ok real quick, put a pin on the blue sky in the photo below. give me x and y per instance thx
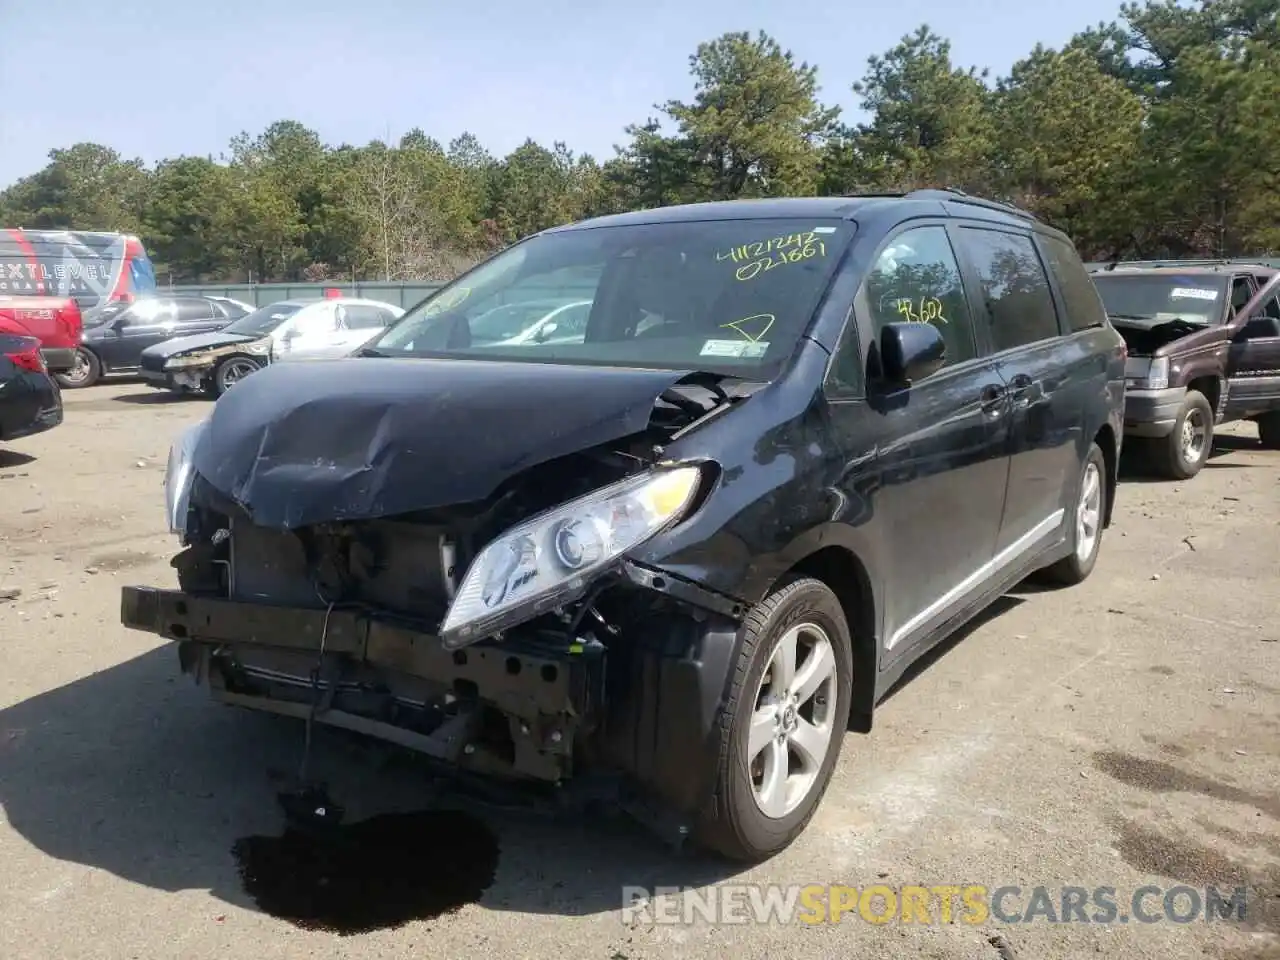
(155, 79)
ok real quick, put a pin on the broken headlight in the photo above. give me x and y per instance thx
(548, 560)
(1157, 377)
(177, 476)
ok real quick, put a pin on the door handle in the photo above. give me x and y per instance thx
(993, 398)
(1024, 390)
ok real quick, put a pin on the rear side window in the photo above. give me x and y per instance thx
(364, 316)
(1014, 287)
(1079, 295)
(190, 311)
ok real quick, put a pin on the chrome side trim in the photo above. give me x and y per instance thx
(1005, 558)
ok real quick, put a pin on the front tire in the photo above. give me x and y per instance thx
(780, 733)
(231, 371)
(86, 372)
(1086, 524)
(1182, 454)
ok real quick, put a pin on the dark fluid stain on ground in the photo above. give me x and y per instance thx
(1163, 670)
(372, 874)
(1158, 777)
(1192, 863)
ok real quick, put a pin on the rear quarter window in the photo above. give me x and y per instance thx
(1079, 295)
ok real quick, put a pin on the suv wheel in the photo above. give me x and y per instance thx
(85, 371)
(1269, 430)
(1085, 532)
(1181, 455)
(780, 733)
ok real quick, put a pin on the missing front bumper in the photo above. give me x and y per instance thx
(513, 708)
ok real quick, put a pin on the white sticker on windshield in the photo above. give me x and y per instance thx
(824, 229)
(1193, 293)
(746, 349)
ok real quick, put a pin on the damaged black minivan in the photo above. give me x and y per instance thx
(675, 549)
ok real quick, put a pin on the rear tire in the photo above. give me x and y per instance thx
(1086, 519)
(777, 718)
(1269, 430)
(1182, 454)
(86, 372)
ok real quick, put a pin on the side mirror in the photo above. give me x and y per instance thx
(911, 351)
(546, 332)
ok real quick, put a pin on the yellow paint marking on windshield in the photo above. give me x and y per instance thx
(746, 324)
(762, 248)
(779, 258)
(930, 309)
(447, 301)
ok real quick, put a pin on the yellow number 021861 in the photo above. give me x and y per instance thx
(749, 271)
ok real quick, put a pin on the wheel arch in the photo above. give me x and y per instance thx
(1211, 386)
(1107, 442)
(844, 573)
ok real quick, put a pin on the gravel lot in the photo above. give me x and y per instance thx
(1122, 733)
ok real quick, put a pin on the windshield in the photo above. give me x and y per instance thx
(263, 320)
(727, 295)
(1193, 298)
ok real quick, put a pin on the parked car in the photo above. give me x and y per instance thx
(115, 344)
(307, 329)
(1204, 350)
(54, 321)
(801, 441)
(29, 399)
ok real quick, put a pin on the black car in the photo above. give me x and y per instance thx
(29, 399)
(115, 341)
(800, 442)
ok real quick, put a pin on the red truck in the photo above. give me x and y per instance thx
(54, 321)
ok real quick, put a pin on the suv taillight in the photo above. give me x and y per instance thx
(70, 321)
(29, 359)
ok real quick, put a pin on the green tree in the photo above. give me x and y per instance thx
(755, 125)
(84, 187)
(1069, 145)
(931, 124)
(188, 228)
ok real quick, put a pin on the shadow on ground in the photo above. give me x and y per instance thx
(997, 609)
(1135, 466)
(133, 771)
(13, 458)
(158, 398)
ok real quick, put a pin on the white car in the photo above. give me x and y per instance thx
(291, 330)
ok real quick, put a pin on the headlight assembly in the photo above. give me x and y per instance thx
(177, 476)
(192, 360)
(548, 560)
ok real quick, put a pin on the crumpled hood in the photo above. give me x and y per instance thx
(304, 443)
(169, 349)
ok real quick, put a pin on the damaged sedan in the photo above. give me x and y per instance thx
(670, 560)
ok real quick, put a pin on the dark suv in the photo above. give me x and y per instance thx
(795, 444)
(1204, 349)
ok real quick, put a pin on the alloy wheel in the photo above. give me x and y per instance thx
(791, 728)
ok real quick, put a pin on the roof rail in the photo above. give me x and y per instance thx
(1269, 262)
(953, 195)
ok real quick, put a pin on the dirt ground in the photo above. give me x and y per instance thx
(1123, 733)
